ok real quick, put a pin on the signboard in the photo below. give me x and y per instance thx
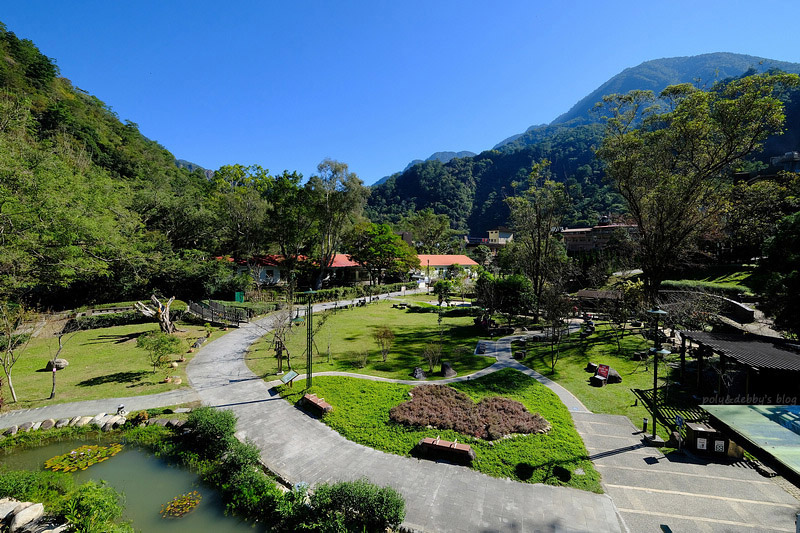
(719, 446)
(289, 376)
(602, 371)
(701, 443)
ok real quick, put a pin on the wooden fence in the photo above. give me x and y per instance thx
(216, 312)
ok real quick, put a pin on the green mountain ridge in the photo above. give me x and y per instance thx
(471, 190)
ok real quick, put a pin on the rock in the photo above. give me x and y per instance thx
(177, 381)
(74, 421)
(36, 426)
(99, 420)
(62, 422)
(447, 370)
(10, 432)
(108, 425)
(591, 367)
(26, 515)
(613, 376)
(121, 422)
(418, 373)
(84, 421)
(182, 410)
(47, 424)
(199, 342)
(7, 506)
(180, 423)
(162, 422)
(24, 428)
(60, 364)
(172, 423)
(173, 364)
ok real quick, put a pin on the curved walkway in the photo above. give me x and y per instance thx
(439, 497)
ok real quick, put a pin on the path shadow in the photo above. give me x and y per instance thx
(117, 377)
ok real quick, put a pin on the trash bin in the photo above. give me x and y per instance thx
(704, 439)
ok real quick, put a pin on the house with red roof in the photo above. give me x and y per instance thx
(435, 266)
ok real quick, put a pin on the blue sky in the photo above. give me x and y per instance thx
(374, 84)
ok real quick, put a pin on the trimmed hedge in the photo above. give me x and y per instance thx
(115, 319)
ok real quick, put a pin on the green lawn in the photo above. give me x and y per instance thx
(600, 348)
(349, 333)
(103, 363)
(361, 414)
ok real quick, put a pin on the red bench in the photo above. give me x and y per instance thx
(446, 449)
(319, 404)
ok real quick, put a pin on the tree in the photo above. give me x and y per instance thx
(159, 347)
(535, 213)
(670, 158)
(482, 255)
(337, 197)
(67, 332)
(161, 311)
(378, 249)
(555, 306)
(384, 336)
(432, 354)
(291, 223)
(779, 274)
(430, 233)
(13, 341)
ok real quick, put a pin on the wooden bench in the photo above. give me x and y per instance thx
(446, 449)
(318, 404)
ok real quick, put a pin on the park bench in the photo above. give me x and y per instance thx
(445, 449)
(318, 404)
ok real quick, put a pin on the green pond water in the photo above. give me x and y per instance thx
(147, 483)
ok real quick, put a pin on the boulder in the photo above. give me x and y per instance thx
(11, 431)
(25, 427)
(75, 420)
(591, 367)
(418, 373)
(25, 516)
(199, 342)
(84, 420)
(447, 370)
(172, 423)
(613, 376)
(60, 364)
(7, 506)
(47, 424)
(99, 420)
(62, 422)
(108, 425)
(183, 410)
(36, 426)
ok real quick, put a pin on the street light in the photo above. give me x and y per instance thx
(656, 350)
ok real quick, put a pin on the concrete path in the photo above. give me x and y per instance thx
(93, 407)
(439, 497)
(679, 492)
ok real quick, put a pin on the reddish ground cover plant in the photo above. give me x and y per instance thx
(446, 408)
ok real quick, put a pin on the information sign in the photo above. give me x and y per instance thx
(289, 376)
(602, 371)
(701, 443)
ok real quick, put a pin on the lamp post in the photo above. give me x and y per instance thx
(656, 350)
(309, 336)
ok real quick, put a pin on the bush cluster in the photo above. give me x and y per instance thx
(234, 467)
(114, 319)
(729, 290)
(446, 408)
(358, 291)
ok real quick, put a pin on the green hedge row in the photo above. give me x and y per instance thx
(358, 291)
(115, 319)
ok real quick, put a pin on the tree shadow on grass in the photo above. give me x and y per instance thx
(116, 339)
(134, 378)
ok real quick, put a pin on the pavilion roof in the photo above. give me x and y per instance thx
(756, 351)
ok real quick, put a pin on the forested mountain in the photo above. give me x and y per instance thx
(471, 190)
(442, 157)
(87, 203)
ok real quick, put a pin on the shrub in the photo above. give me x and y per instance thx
(211, 431)
(356, 505)
(251, 494)
(45, 487)
(93, 507)
(240, 457)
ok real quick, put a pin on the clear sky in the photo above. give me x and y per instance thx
(374, 83)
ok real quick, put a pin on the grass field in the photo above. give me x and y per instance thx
(103, 363)
(361, 414)
(349, 333)
(600, 348)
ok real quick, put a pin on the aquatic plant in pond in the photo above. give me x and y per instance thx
(181, 505)
(83, 457)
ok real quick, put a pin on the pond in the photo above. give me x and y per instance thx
(147, 483)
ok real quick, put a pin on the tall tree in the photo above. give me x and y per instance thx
(338, 195)
(378, 249)
(780, 274)
(430, 233)
(670, 158)
(535, 213)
